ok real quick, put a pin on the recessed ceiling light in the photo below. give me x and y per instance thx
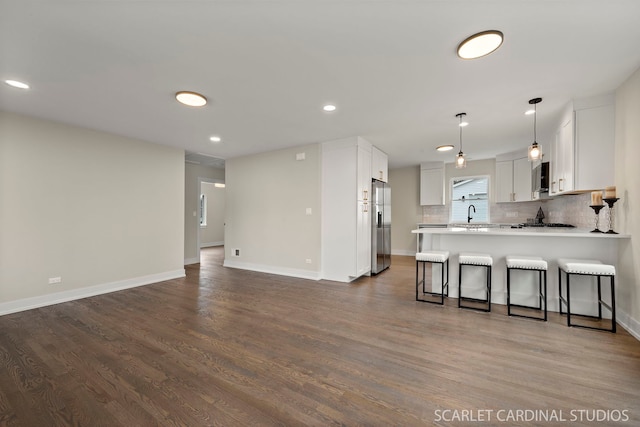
(480, 44)
(219, 184)
(192, 99)
(215, 139)
(530, 112)
(445, 148)
(463, 124)
(16, 83)
(329, 108)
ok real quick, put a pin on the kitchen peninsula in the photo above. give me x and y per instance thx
(500, 241)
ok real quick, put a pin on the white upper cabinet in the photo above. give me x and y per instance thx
(432, 183)
(379, 165)
(594, 147)
(513, 177)
(562, 160)
(583, 153)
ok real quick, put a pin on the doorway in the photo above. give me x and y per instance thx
(211, 211)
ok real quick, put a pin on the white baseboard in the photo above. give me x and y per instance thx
(282, 271)
(210, 244)
(403, 252)
(75, 294)
(630, 324)
(189, 261)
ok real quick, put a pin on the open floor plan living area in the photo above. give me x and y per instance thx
(231, 347)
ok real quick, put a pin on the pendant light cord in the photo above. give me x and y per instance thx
(460, 133)
(460, 115)
(535, 121)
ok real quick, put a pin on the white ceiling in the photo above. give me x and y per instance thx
(268, 66)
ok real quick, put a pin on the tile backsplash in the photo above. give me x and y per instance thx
(567, 209)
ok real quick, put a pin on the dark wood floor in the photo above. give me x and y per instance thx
(230, 347)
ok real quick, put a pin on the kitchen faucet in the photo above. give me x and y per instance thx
(469, 213)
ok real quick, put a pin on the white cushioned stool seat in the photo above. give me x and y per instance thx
(432, 256)
(526, 262)
(586, 266)
(475, 258)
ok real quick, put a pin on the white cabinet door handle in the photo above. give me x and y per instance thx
(365, 207)
(365, 194)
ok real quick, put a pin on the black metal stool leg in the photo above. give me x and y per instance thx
(459, 285)
(508, 291)
(613, 305)
(568, 299)
(489, 286)
(545, 295)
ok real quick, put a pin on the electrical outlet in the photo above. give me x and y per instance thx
(236, 252)
(308, 211)
(54, 280)
(308, 260)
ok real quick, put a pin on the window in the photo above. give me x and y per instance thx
(203, 210)
(467, 192)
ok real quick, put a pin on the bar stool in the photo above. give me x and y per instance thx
(476, 260)
(588, 268)
(516, 262)
(433, 257)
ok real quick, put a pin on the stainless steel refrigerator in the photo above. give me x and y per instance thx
(380, 226)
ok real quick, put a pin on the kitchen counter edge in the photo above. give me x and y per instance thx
(535, 232)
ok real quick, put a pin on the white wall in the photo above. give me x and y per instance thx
(266, 200)
(627, 153)
(406, 211)
(213, 233)
(193, 173)
(100, 211)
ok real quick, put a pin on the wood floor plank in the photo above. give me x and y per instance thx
(230, 347)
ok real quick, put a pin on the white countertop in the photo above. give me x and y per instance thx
(525, 231)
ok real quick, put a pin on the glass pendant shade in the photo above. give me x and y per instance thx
(535, 152)
(461, 161)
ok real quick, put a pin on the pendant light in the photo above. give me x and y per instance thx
(461, 161)
(535, 152)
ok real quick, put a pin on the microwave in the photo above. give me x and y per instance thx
(540, 178)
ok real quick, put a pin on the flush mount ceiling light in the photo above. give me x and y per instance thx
(329, 108)
(461, 161)
(215, 138)
(192, 99)
(17, 84)
(535, 152)
(480, 44)
(447, 147)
